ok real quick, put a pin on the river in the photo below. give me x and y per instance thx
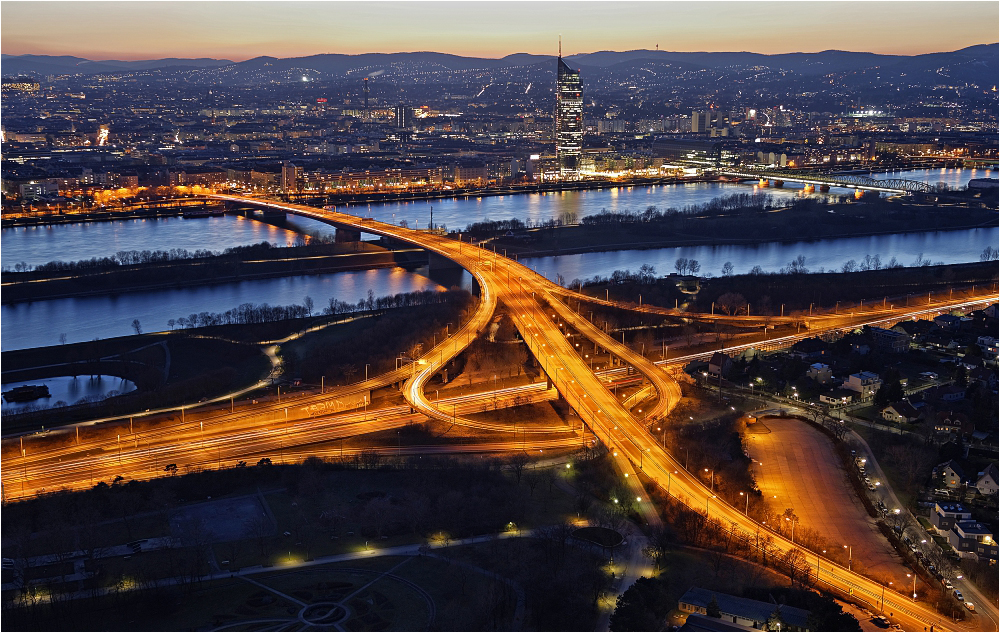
(65, 390)
(68, 242)
(41, 322)
(949, 247)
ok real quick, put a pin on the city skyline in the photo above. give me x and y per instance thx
(104, 30)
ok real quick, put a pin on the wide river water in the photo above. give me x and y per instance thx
(41, 322)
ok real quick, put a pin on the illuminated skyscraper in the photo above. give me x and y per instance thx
(569, 120)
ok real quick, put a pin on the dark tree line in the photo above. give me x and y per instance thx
(316, 244)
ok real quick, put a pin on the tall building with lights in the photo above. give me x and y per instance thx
(569, 120)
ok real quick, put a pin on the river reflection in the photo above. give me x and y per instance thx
(40, 323)
(941, 246)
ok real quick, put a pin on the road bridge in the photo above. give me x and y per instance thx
(847, 181)
(540, 316)
(635, 449)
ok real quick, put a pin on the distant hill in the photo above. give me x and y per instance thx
(65, 64)
(974, 64)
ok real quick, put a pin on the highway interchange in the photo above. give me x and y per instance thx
(537, 308)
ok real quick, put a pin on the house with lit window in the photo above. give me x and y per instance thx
(864, 383)
(951, 474)
(972, 539)
(900, 412)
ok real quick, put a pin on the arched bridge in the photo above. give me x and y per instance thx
(848, 181)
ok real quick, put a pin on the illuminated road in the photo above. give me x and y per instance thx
(521, 289)
(542, 327)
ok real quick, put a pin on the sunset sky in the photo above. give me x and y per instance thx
(241, 30)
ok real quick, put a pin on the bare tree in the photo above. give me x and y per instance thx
(517, 464)
(731, 303)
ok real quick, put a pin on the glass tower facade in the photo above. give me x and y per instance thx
(569, 121)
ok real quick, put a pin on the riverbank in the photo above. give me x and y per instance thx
(803, 221)
(41, 218)
(786, 293)
(83, 281)
(168, 368)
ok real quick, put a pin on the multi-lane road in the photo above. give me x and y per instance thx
(544, 321)
(523, 292)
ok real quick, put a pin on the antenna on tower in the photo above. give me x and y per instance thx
(560, 47)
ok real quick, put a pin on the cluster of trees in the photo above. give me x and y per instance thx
(262, 250)
(243, 314)
(137, 257)
(259, 313)
(494, 227)
(399, 300)
(733, 204)
(645, 275)
(685, 266)
(874, 262)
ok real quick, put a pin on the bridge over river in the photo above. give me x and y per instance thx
(825, 180)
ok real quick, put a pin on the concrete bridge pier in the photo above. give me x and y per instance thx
(346, 235)
(437, 262)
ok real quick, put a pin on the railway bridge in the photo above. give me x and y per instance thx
(815, 179)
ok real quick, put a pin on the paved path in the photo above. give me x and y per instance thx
(798, 465)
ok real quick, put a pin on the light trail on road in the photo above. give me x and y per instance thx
(521, 290)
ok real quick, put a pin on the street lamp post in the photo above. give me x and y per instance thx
(850, 555)
(713, 478)
(746, 509)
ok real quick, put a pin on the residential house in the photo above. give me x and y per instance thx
(914, 328)
(947, 515)
(699, 622)
(972, 537)
(744, 611)
(944, 394)
(948, 322)
(900, 412)
(940, 340)
(719, 364)
(820, 372)
(991, 311)
(951, 474)
(865, 383)
(888, 341)
(988, 345)
(985, 377)
(810, 348)
(952, 422)
(838, 397)
(987, 482)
